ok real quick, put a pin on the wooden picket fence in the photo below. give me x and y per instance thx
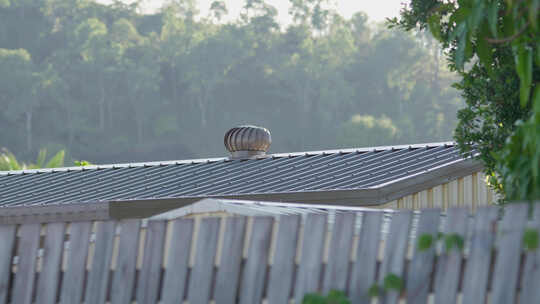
(276, 260)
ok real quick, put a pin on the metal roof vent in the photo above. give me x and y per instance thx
(247, 141)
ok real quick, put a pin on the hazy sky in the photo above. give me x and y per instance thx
(377, 10)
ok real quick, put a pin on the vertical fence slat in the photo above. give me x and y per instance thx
(150, 274)
(231, 259)
(531, 274)
(395, 252)
(281, 273)
(26, 267)
(7, 235)
(72, 283)
(419, 274)
(254, 272)
(335, 276)
(47, 289)
(205, 254)
(449, 262)
(124, 273)
(509, 251)
(178, 260)
(475, 280)
(365, 266)
(307, 279)
(98, 278)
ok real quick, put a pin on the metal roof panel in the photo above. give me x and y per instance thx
(350, 169)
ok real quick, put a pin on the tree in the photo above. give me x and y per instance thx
(19, 88)
(366, 130)
(494, 45)
(108, 83)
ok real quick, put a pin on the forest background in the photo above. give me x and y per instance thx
(109, 84)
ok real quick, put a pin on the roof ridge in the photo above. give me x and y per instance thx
(216, 159)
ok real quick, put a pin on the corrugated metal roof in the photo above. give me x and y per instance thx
(259, 208)
(333, 170)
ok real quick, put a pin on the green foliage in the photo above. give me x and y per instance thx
(498, 87)
(424, 242)
(374, 291)
(111, 84)
(519, 161)
(393, 282)
(366, 130)
(333, 297)
(453, 241)
(8, 161)
(81, 163)
(530, 239)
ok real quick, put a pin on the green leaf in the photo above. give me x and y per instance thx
(453, 240)
(425, 241)
(533, 13)
(460, 51)
(508, 25)
(457, 32)
(536, 99)
(476, 16)
(392, 282)
(337, 297)
(313, 298)
(493, 15)
(57, 160)
(434, 24)
(530, 239)
(524, 68)
(81, 163)
(537, 57)
(374, 291)
(42, 155)
(484, 52)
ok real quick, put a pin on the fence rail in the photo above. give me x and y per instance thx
(248, 259)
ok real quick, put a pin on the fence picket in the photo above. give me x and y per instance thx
(336, 271)
(72, 283)
(531, 272)
(365, 266)
(395, 252)
(252, 284)
(174, 281)
(7, 235)
(205, 254)
(475, 280)
(281, 273)
(98, 278)
(150, 274)
(231, 259)
(246, 284)
(26, 267)
(449, 262)
(47, 288)
(307, 279)
(419, 273)
(509, 250)
(124, 273)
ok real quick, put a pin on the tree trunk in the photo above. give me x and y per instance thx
(102, 107)
(202, 102)
(28, 116)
